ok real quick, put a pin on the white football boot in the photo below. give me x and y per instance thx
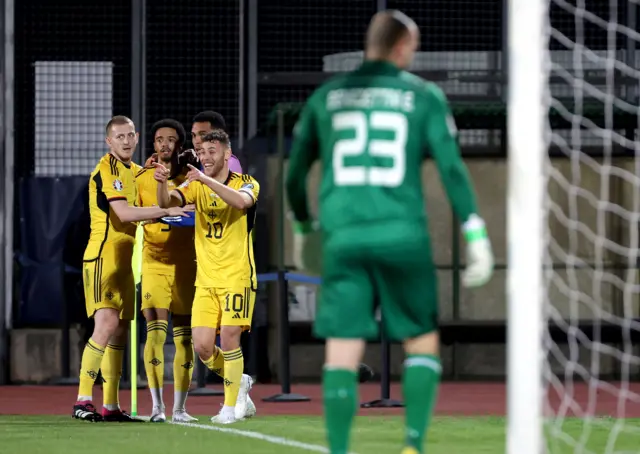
(157, 415)
(226, 416)
(251, 408)
(182, 416)
(245, 408)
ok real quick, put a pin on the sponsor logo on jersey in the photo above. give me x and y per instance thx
(247, 186)
(118, 186)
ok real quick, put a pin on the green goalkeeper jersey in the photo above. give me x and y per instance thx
(371, 129)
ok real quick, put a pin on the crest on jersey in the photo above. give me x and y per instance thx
(213, 195)
(247, 186)
(117, 185)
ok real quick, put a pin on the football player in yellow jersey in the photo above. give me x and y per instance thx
(107, 275)
(225, 204)
(168, 277)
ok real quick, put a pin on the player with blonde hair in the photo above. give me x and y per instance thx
(109, 287)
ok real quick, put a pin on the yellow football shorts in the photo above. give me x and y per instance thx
(166, 292)
(216, 307)
(108, 286)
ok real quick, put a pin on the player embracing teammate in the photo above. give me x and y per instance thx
(107, 275)
(203, 124)
(226, 281)
(122, 193)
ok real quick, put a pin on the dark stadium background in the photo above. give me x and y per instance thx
(192, 59)
(192, 62)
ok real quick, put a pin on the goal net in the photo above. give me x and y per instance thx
(574, 212)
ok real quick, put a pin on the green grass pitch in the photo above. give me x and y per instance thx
(278, 434)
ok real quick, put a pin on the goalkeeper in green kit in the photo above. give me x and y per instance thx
(371, 129)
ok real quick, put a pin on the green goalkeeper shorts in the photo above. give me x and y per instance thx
(361, 273)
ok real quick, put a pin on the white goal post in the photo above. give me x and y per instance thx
(526, 118)
(573, 284)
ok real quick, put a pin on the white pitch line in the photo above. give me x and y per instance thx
(259, 436)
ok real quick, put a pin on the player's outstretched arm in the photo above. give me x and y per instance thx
(112, 187)
(128, 213)
(168, 199)
(442, 139)
(238, 199)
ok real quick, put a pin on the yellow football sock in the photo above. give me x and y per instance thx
(111, 372)
(154, 353)
(183, 360)
(89, 367)
(233, 368)
(216, 362)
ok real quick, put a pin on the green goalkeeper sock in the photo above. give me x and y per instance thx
(340, 391)
(419, 386)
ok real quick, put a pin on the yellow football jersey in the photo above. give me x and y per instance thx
(111, 180)
(224, 250)
(164, 246)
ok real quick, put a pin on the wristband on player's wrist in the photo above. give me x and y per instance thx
(301, 227)
(304, 227)
(474, 229)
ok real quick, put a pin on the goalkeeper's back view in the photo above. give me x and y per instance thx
(371, 130)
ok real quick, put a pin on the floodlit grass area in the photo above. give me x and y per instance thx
(290, 434)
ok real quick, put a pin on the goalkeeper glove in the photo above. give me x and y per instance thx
(307, 247)
(479, 255)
